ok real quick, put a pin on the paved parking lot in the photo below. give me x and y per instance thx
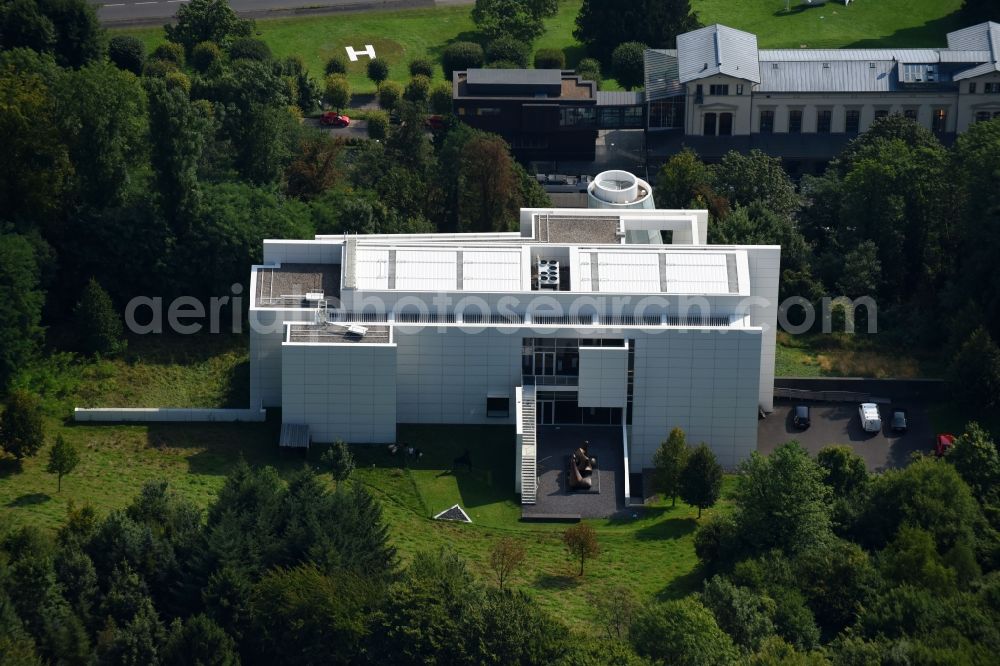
(838, 423)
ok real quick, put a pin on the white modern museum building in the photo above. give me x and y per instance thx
(618, 315)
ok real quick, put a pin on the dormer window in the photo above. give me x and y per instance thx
(871, 65)
(774, 65)
(826, 65)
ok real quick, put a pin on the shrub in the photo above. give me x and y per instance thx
(422, 66)
(507, 48)
(336, 65)
(127, 52)
(21, 431)
(169, 52)
(628, 63)
(378, 125)
(441, 98)
(158, 68)
(378, 71)
(550, 59)
(975, 370)
(503, 64)
(248, 48)
(338, 91)
(418, 89)
(590, 70)
(204, 55)
(389, 95)
(461, 55)
(178, 79)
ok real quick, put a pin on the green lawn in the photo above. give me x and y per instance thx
(652, 554)
(844, 355)
(402, 35)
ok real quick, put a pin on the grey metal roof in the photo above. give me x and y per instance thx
(618, 98)
(550, 77)
(982, 37)
(661, 77)
(985, 68)
(717, 49)
(831, 76)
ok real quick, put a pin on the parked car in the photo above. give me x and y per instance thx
(801, 417)
(942, 442)
(435, 122)
(334, 119)
(870, 419)
(898, 422)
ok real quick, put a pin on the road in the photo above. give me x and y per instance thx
(154, 12)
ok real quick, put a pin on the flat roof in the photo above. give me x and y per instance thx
(337, 333)
(669, 272)
(287, 285)
(515, 77)
(588, 229)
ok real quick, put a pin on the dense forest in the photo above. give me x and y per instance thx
(819, 563)
(159, 174)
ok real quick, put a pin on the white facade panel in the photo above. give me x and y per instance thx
(341, 391)
(603, 380)
(371, 269)
(426, 270)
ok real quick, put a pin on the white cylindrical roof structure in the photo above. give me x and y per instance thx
(619, 189)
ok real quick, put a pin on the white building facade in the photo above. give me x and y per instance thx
(718, 83)
(622, 318)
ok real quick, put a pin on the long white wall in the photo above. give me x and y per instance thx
(343, 391)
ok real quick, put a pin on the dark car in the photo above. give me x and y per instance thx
(801, 417)
(899, 420)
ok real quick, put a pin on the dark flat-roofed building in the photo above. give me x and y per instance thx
(542, 113)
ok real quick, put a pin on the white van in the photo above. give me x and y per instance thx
(870, 419)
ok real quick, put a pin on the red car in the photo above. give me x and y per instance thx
(434, 122)
(942, 443)
(334, 119)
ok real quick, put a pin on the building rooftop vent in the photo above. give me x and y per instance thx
(619, 188)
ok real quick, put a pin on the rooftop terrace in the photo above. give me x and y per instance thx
(335, 333)
(287, 285)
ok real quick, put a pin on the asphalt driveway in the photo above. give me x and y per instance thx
(838, 423)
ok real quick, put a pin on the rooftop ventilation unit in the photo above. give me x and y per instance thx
(548, 274)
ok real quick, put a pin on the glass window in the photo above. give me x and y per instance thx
(577, 116)
(667, 113)
(991, 88)
(881, 113)
(996, 114)
(823, 121)
(632, 116)
(698, 90)
(739, 88)
(852, 121)
(766, 121)
(982, 115)
(498, 406)
(972, 88)
(910, 113)
(794, 121)
(718, 89)
(940, 120)
(488, 111)
(611, 117)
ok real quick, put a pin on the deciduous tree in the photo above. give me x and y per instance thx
(975, 370)
(207, 21)
(628, 64)
(581, 542)
(338, 91)
(601, 26)
(127, 52)
(460, 56)
(63, 459)
(701, 479)
(519, 19)
(21, 302)
(681, 633)
(506, 556)
(338, 460)
(378, 71)
(668, 465)
(22, 432)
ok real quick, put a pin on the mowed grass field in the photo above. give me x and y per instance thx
(400, 36)
(651, 553)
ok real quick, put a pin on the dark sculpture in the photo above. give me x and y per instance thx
(581, 469)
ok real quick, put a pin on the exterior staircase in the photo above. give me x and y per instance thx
(529, 469)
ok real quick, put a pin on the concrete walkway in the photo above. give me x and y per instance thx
(555, 444)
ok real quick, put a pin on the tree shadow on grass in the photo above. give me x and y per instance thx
(929, 34)
(681, 586)
(671, 528)
(30, 499)
(565, 581)
(9, 467)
